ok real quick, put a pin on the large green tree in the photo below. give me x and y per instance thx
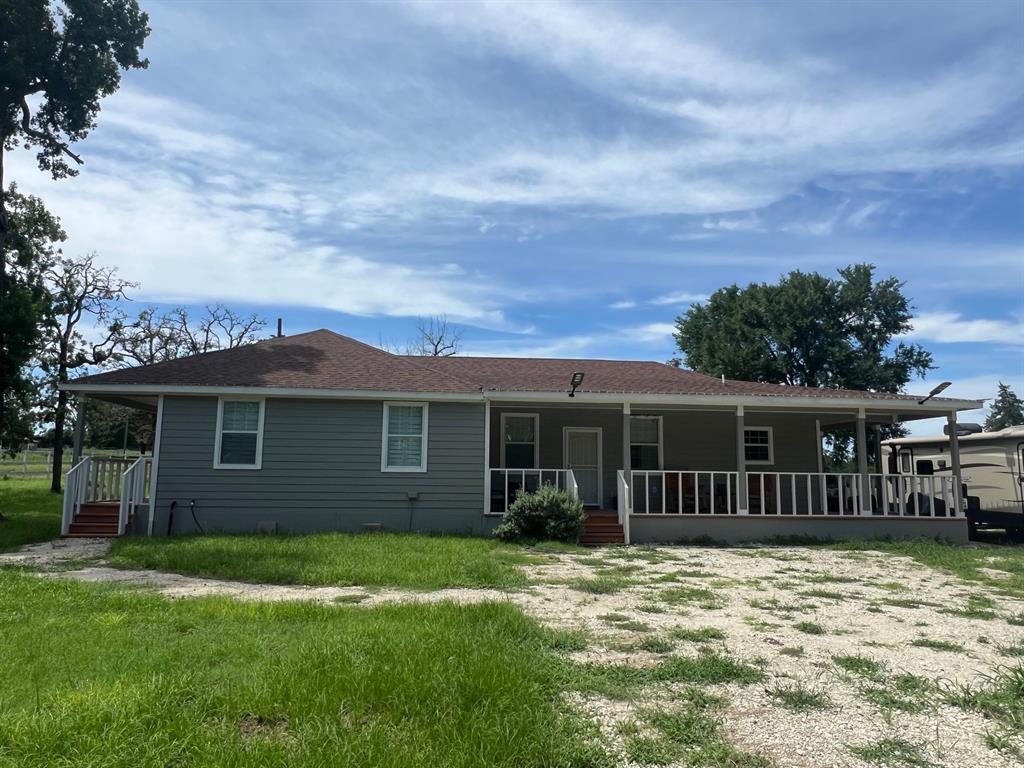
(33, 240)
(1007, 410)
(58, 59)
(810, 330)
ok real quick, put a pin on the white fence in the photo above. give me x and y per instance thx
(507, 483)
(783, 493)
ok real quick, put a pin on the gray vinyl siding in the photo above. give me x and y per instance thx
(321, 470)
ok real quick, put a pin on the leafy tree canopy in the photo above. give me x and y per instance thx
(1007, 410)
(807, 329)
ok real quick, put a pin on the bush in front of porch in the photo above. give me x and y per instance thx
(547, 513)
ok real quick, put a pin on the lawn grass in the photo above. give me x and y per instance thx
(374, 559)
(962, 561)
(99, 676)
(32, 512)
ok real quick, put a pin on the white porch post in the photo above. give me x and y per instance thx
(742, 502)
(155, 465)
(76, 440)
(627, 437)
(954, 457)
(487, 456)
(862, 462)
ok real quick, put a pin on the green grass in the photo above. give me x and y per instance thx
(32, 512)
(799, 698)
(703, 598)
(1000, 697)
(336, 559)
(97, 676)
(619, 681)
(964, 562)
(937, 645)
(602, 584)
(809, 628)
(696, 634)
(692, 734)
(891, 753)
(861, 666)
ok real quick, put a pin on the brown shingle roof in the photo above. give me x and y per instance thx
(525, 374)
(315, 360)
(326, 360)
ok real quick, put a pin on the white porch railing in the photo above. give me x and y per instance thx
(506, 483)
(94, 478)
(135, 486)
(625, 498)
(782, 493)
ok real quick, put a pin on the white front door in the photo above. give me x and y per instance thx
(582, 452)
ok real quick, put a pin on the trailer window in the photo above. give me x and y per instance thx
(906, 467)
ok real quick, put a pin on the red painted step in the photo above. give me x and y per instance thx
(96, 519)
(601, 528)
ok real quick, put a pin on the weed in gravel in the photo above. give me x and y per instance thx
(796, 697)
(830, 578)
(861, 666)
(601, 585)
(891, 753)
(1000, 697)
(694, 733)
(759, 625)
(827, 594)
(651, 608)
(903, 693)
(619, 681)
(937, 645)
(777, 607)
(351, 598)
(809, 628)
(622, 621)
(1012, 650)
(1016, 620)
(697, 635)
(795, 651)
(976, 607)
(1003, 742)
(699, 596)
(655, 645)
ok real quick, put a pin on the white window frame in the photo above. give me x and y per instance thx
(771, 445)
(661, 439)
(536, 435)
(423, 437)
(220, 431)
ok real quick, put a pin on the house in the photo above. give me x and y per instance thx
(320, 432)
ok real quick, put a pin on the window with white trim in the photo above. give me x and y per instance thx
(519, 440)
(645, 442)
(757, 445)
(239, 433)
(404, 446)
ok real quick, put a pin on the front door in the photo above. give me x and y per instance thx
(583, 457)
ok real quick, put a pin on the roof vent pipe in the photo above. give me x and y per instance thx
(280, 327)
(723, 378)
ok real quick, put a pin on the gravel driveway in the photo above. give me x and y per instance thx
(862, 651)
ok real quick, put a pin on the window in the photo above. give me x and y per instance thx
(645, 442)
(239, 434)
(757, 445)
(404, 446)
(906, 463)
(519, 444)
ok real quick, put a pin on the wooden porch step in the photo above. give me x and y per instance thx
(92, 529)
(601, 527)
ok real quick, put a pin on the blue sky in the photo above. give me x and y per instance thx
(563, 179)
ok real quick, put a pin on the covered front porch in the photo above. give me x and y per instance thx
(677, 472)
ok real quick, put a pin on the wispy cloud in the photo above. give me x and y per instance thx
(679, 297)
(622, 305)
(952, 327)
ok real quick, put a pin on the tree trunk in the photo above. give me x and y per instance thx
(3, 275)
(59, 417)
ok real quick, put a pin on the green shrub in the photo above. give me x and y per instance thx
(547, 513)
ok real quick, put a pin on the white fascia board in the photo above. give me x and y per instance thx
(841, 404)
(295, 392)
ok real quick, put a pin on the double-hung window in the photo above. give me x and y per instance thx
(757, 445)
(405, 438)
(519, 433)
(239, 433)
(645, 442)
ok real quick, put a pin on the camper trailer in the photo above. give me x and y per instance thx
(991, 465)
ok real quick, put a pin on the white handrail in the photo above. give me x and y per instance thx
(74, 491)
(625, 501)
(506, 483)
(134, 484)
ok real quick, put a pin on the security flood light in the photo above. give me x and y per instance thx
(937, 389)
(574, 382)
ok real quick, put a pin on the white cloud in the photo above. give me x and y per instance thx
(651, 333)
(950, 327)
(622, 305)
(679, 297)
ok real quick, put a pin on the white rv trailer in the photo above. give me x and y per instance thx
(991, 465)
